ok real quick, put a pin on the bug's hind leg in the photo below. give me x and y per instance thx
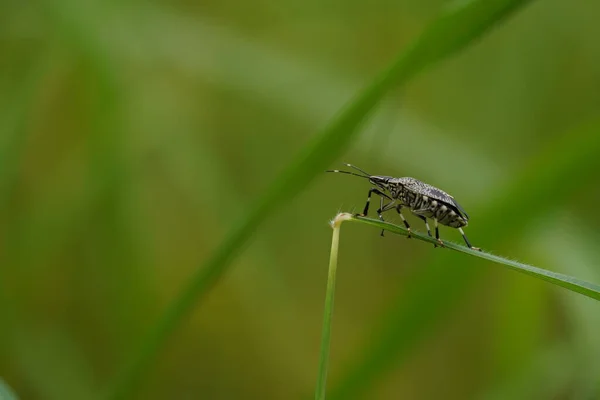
(467, 240)
(427, 226)
(437, 233)
(399, 209)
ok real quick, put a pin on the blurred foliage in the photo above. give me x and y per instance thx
(6, 393)
(133, 135)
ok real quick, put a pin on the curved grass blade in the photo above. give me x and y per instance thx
(451, 32)
(568, 282)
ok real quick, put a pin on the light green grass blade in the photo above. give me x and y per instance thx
(6, 393)
(568, 282)
(451, 32)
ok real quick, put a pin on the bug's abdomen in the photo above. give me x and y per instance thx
(446, 214)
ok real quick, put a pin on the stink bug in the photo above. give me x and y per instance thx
(423, 200)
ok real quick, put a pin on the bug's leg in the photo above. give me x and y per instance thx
(381, 216)
(399, 208)
(376, 191)
(385, 208)
(427, 226)
(437, 233)
(467, 240)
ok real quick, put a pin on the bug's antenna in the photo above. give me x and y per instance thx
(358, 169)
(346, 172)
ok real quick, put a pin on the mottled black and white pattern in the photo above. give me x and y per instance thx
(423, 200)
(428, 201)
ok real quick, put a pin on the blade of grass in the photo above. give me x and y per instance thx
(327, 317)
(562, 164)
(316, 96)
(568, 282)
(445, 36)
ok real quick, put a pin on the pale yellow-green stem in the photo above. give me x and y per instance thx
(327, 317)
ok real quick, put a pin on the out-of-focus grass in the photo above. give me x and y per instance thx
(582, 316)
(6, 392)
(450, 33)
(37, 351)
(15, 111)
(108, 173)
(209, 101)
(555, 366)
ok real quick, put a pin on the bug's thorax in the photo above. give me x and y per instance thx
(396, 189)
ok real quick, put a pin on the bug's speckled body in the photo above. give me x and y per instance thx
(428, 201)
(423, 200)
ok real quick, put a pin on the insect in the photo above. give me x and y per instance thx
(423, 200)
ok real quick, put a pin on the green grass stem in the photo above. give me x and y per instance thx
(328, 313)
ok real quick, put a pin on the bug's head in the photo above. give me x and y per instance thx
(379, 181)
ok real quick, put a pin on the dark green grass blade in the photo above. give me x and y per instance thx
(448, 34)
(568, 282)
(554, 174)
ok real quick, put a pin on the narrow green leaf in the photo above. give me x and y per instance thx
(568, 282)
(451, 32)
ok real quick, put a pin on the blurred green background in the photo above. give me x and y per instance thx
(133, 135)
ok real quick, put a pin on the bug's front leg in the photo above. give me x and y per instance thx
(376, 191)
(380, 215)
(383, 208)
(467, 240)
